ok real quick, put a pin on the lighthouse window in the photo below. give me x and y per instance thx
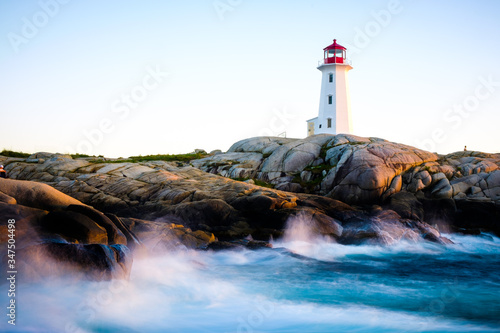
(330, 99)
(330, 77)
(329, 124)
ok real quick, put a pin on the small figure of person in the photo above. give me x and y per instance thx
(465, 148)
(3, 173)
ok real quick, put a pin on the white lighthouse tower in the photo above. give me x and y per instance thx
(334, 115)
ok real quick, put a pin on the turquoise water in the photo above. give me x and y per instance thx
(302, 285)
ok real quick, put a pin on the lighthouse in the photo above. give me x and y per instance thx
(334, 115)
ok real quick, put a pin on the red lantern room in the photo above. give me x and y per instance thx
(335, 53)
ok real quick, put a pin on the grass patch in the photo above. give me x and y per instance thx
(309, 186)
(322, 152)
(80, 156)
(240, 179)
(319, 168)
(263, 183)
(10, 153)
(159, 157)
(317, 177)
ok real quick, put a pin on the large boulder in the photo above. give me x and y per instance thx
(166, 234)
(352, 169)
(62, 238)
(35, 194)
(115, 236)
(365, 172)
(263, 145)
(387, 227)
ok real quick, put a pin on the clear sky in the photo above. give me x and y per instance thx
(123, 78)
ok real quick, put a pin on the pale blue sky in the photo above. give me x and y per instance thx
(241, 68)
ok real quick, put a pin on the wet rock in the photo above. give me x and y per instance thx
(114, 235)
(75, 227)
(406, 205)
(387, 228)
(256, 244)
(133, 241)
(483, 216)
(92, 261)
(166, 234)
(224, 245)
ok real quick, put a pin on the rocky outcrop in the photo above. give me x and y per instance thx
(89, 214)
(58, 235)
(366, 171)
(168, 203)
(358, 170)
(348, 168)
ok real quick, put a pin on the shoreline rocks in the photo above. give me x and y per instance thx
(367, 171)
(202, 204)
(354, 190)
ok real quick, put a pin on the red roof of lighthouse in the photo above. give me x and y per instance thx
(334, 46)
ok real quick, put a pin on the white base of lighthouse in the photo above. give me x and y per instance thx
(334, 115)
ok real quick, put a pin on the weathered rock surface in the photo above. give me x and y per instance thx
(35, 194)
(355, 190)
(161, 235)
(358, 170)
(56, 234)
(167, 204)
(362, 171)
(345, 167)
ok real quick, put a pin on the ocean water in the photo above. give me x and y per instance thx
(303, 284)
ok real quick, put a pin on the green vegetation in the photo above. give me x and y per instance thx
(256, 181)
(316, 179)
(319, 168)
(322, 153)
(263, 183)
(10, 153)
(80, 156)
(309, 186)
(240, 179)
(158, 157)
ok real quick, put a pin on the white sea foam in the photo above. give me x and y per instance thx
(189, 291)
(269, 290)
(300, 238)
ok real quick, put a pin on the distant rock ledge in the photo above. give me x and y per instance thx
(355, 190)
